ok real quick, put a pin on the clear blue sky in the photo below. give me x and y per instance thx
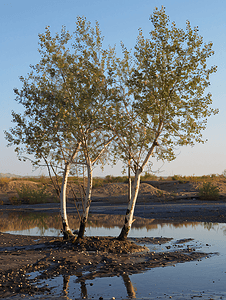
(22, 20)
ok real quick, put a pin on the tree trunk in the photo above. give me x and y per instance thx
(129, 180)
(66, 229)
(87, 201)
(135, 189)
(131, 206)
(63, 194)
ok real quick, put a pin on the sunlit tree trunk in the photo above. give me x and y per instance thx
(129, 180)
(131, 206)
(66, 229)
(135, 189)
(63, 195)
(87, 201)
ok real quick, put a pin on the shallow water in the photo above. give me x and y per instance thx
(204, 279)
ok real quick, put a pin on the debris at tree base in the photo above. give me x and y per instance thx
(107, 244)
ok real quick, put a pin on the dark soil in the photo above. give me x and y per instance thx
(97, 256)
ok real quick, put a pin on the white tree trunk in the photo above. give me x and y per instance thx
(131, 206)
(87, 201)
(63, 197)
(63, 194)
(135, 189)
(129, 181)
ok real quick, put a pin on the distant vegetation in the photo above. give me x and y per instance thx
(209, 191)
(9, 175)
(28, 195)
(100, 181)
(42, 194)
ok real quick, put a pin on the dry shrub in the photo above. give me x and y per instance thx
(4, 181)
(209, 191)
(31, 196)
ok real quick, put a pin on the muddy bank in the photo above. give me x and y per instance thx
(90, 258)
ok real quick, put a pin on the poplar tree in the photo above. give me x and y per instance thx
(64, 98)
(166, 102)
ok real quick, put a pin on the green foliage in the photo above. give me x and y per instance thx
(167, 83)
(30, 196)
(208, 191)
(64, 98)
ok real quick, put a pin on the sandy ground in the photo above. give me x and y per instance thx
(98, 256)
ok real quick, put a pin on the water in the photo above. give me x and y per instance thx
(204, 279)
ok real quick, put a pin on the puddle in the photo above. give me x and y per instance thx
(204, 279)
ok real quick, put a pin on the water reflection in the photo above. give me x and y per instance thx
(82, 286)
(129, 286)
(66, 279)
(50, 224)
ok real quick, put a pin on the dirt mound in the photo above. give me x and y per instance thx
(115, 189)
(107, 244)
(146, 188)
(112, 189)
(16, 185)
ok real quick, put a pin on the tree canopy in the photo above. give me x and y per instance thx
(166, 90)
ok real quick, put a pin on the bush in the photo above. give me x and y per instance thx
(176, 177)
(4, 181)
(31, 196)
(148, 176)
(14, 201)
(209, 191)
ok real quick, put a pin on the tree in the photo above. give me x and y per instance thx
(64, 99)
(166, 104)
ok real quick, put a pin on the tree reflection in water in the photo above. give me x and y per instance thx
(84, 293)
(129, 286)
(66, 279)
